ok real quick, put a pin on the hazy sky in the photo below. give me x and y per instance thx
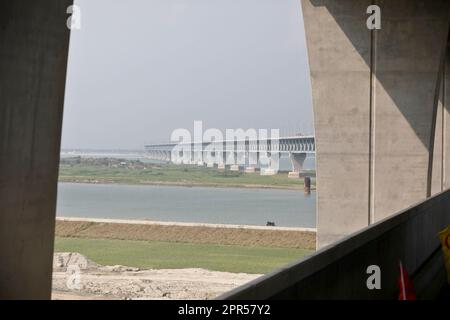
(138, 69)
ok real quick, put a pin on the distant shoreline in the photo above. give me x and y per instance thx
(182, 184)
(136, 172)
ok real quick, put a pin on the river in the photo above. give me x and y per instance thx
(286, 208)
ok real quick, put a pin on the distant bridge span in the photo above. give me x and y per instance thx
(242, 154)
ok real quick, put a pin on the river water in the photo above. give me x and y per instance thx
(286, 208)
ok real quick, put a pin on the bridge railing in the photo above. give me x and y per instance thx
(339, 271)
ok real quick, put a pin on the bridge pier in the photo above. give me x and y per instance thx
(250, 169)
(252, 160)
(168, 156)
(297, 160)
(176, 156)
(374, 96)
(272, 166)
(235, 167)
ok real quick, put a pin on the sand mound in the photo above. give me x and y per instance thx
(94, 281)
(63, 260)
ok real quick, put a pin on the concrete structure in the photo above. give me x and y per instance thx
(239, 155)
(375, 96)
(297, 160)
(250, 170)
(340, 270)
(235, 167)
(33, 57)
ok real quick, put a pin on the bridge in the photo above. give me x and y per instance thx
(238, 154)
(382, 126)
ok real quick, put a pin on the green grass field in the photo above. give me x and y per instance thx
(176, 175)
(170, 255)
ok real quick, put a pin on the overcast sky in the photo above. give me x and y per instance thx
(138, 69)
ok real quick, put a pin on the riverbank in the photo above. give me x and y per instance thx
(179, 184)
(135, 172)
(98, 282)
(181, 255)
(123, 259)
(201, 233)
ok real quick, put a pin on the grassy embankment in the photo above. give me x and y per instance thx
(170, 255)
(161, 246)
(169, 174)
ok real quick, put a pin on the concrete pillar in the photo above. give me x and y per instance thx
(167, 156)
(445, 98)
(252, 161)
(175, 156)
(373, 96)
(192, 156)
(406, 90)
(268, 170)
(240, 157)
(235, 167)
(297, 160)
(250, 169)
(180, 157)
(233, 160)
(199, 158)
(33, 57)
(212, 158)
(441, 160)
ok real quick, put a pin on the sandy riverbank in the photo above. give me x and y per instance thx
(186, 232)
(119, 282)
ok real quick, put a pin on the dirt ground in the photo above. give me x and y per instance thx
(77, 278)
(184, 232)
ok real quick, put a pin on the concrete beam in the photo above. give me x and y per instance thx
(297, 160)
